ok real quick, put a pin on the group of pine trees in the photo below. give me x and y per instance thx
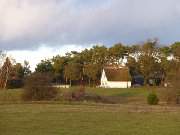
(149, 59)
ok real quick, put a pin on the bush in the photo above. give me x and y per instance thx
(38, 87)
(76, 95)
(172, 92)
(79, 94)
(14, 84)
(92, 97)
(170, 96)
(152, 99)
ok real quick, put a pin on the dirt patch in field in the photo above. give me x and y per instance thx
(38, 108)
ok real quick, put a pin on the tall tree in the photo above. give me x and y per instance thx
(21, 71)
(100, 55)
(148, 60)
(73, 71)
(176, 50)
(117, 52)
(133, 65)
(44, 66)
(5, 72)
(59, 67)
(86, 56)
(2, 58)
(165, 51)
(92, 71)
(18, 71)
(26, 69)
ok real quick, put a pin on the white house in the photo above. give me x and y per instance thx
(115, 77)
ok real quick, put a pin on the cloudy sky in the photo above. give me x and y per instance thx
(34, 29)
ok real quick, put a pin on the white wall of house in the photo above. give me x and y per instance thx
(118, 84)
(61, 86)
(110, 84)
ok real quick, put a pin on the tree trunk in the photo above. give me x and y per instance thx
(94, 83)
(6, 79)
(70, 82)
(89, 82)
(66, 82)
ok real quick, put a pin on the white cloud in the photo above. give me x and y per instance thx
(44, 52)
(26, 24)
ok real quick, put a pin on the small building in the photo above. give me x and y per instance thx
(115, 77)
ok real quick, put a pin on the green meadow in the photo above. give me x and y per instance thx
(132, 117)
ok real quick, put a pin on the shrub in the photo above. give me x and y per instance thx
(14, 84)
(76, 95)
(170, 96)
(92, 97)
(172, 92)
(38, 87)
(79, 94)
(152, 99)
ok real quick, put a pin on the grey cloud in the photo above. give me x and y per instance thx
(28, 24)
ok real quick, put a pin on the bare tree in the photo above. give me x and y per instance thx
(2, 58)
(5, 72)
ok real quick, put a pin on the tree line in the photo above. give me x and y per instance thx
(149, 59)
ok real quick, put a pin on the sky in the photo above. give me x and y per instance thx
(35, 29)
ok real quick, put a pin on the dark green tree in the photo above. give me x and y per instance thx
(148, 60)
(59, 63)
(100, 55)
(18, 71)
(44, 66)
(26, 69)
(73, 71)
(92, 71)
(117, 52)
(175, 49)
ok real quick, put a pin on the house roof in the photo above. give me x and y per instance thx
(117, 74)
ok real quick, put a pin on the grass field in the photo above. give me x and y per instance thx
(58, 119)
(130, 95)
(133, 117)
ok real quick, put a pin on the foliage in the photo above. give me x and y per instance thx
(73, 71)
(18, 70)
(117, 52)
(75, 95)
(133, 66)
(26, 69)
(92, 71)
(45, 66)
(91, 94)
(38, 87)
(152, 99)
(172, 92)
(5, 73)
(100, 55)
(80, 94)
(17, 75)
(170, 96)
(2, 58)
(149, 60)
(59, 67)
(15, 83)
(176, 50)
